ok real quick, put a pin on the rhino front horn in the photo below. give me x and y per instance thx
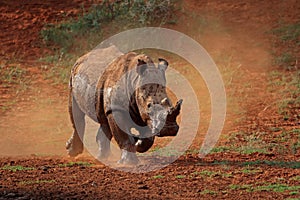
(175, 111)
(177, 107)
(179, 103)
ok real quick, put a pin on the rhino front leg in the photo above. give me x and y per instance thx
(125, 141)
(74, 145)
(103, 139)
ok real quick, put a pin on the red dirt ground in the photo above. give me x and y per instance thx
(40, 115)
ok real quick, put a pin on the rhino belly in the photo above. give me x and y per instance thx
(84, 94)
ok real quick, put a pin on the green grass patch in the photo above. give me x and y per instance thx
(286, 59)
(277, 188)
(211, 192)
(15, 168)
(78, 163)
(294, 193)
(36, 182)
(287, 164)
(219, 162)
(275, 129)
(239, 187)
(286, 141)
(290, 32)
(220, 149)
(13, 74)
(166, 151)
(248, 143)
(210, 174)
(132, 13)
(288, 38)
(268, 187)
(296, 178)
(286, 83)
(250, 170)
(207, 173)
(275, 163)
(180, 176)
(158, 177)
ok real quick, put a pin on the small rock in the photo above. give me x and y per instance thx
(45, 168)
(11, 195)
(144, 187)
(94, 184)
(23, 197)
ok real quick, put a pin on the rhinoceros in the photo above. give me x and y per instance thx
(108, 86)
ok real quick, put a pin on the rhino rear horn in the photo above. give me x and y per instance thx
(177, 107)
(162, 64)
(175, 111)
(141, 67)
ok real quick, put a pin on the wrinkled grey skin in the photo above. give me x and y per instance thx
(107, 100)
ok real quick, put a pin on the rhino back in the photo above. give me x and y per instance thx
(85, 75)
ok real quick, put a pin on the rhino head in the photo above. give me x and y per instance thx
(153, 103)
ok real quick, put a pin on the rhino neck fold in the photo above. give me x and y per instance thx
(134, 112)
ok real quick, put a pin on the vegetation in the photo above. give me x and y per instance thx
(134, 12)
(158, 176)
(74, 37)
(288, 87)
(206, 191)
(288, 39)
(180, 176)
(12, 74)
(36, 182)
(15, 168)
(286, 53)
(78, 163)
(249, 170)
(210, 174)
(266, 187)
(276, 163)
(296, 178)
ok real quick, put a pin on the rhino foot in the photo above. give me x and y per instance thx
(74, 149)
(128, 158)
(103, 155)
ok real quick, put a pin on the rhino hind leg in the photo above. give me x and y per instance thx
(103, 139)
(74, 145)
(125, 141)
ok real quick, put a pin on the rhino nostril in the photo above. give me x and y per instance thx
(149, 105)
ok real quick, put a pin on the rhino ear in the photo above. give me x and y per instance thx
(162, 64)
(141, 67)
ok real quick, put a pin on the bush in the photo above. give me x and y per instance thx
(134, 12)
